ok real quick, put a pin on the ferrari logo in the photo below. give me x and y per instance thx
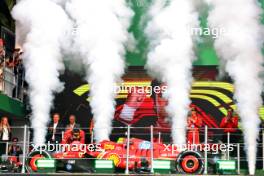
(115, 158)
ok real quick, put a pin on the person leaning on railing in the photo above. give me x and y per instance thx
(14, 149)
(5, 134)
(19, 72)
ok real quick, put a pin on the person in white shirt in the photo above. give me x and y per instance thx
(5, 134)
(55, 129)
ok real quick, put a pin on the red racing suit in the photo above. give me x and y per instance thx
(194, 123)
(68, 137)
(230, 124)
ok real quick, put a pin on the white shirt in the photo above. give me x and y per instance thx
(55, 125)
(5, 136)
(54, 130)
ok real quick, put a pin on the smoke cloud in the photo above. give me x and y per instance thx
(41, 33)
(101, 34)
(171, 56)
(240, 48)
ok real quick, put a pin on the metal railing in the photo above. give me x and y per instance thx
(148, 133)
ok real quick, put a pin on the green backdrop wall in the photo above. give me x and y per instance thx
(206, 55)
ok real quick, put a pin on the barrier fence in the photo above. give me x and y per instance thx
(213, 137)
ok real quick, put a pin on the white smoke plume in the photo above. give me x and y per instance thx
(240, 48)
(60, 2)
(171, 56)
(42, 26)
(101, 34)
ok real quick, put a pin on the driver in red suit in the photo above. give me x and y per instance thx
(230, 122)
(194, 123)
(73, 135)
(74, 148)
(230, 125)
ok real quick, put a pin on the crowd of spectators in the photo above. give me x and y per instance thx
(12, 72)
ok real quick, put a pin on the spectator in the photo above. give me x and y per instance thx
(5, 134)
(19, 74)
(72, 123)
(10, 63)
(2, 52)
(55, 129)
(14, 149)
